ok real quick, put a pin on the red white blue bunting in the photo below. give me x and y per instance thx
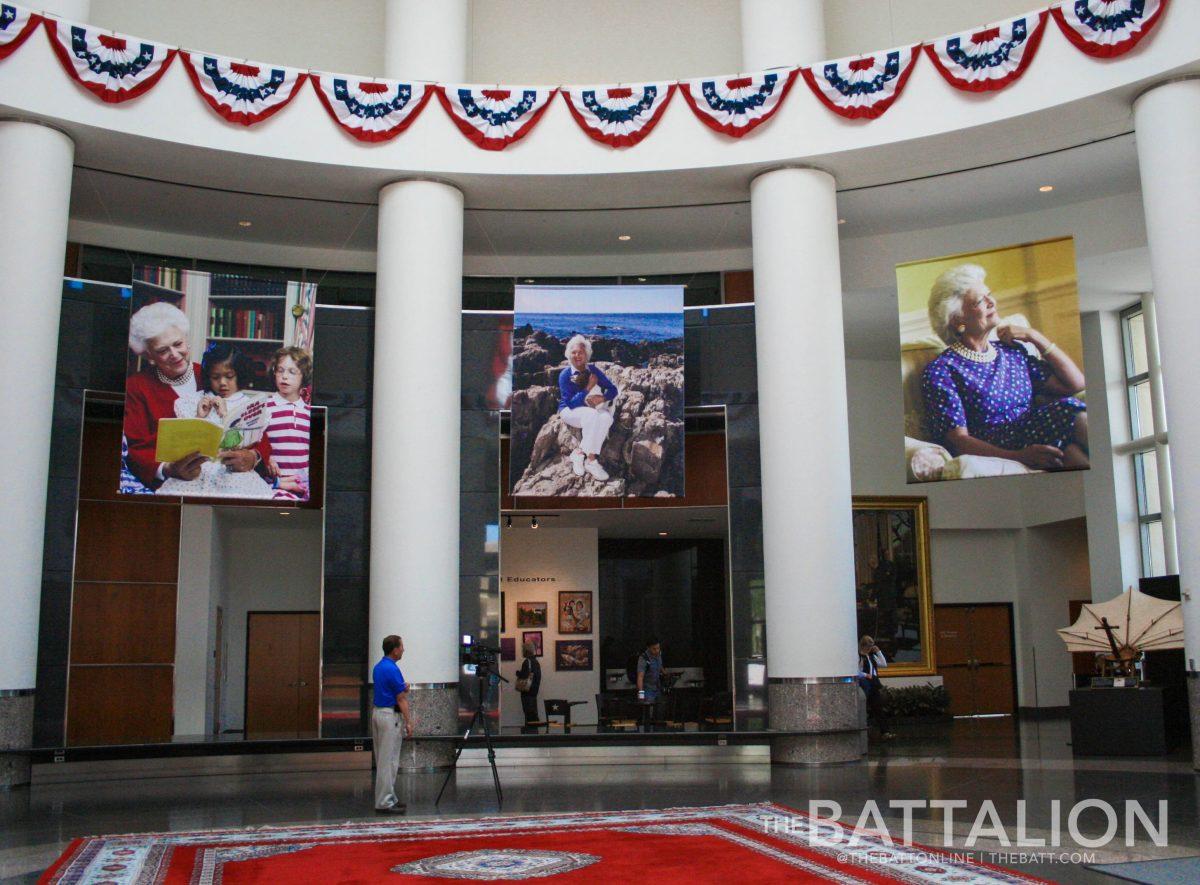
(16, 24)
(862, 87)
(619, 116)
(371, 110)
(240, 91)
(738, 105)
(1107, 28)
(113, 67)
(987, 59)
(493, 117)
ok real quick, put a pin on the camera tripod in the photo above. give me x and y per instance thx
(483, 675)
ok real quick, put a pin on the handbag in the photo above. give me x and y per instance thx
(524, 684)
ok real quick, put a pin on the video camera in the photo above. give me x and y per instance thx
(478, 658)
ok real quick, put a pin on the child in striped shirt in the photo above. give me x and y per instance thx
(288, 424)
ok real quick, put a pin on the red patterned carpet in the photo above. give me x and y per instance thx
(744, 843)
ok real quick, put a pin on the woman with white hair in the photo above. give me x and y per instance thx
(158, 333)
(585, 397)
(979, 393)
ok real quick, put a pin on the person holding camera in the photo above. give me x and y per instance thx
(391, 706)
(870, 660)
(529, 683)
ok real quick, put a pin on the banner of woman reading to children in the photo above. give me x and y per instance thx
(235, 422)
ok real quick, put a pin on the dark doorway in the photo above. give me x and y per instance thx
(676, 590)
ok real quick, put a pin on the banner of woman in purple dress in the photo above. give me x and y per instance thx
(218, 387)
(991, 360)
(597, 391)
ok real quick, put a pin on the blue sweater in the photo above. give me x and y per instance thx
(571, 396)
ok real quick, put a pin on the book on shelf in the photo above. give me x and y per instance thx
(244, 322)
(228, 285)
(167, 277)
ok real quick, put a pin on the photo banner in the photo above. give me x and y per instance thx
(597, 392)
(218, 388)
(991, 363)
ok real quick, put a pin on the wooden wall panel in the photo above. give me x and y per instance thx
(123, 542)
(100, 460)
(123, 624)
(739, 286)
(120, 705)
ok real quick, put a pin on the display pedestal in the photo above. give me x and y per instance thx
(1118, 722)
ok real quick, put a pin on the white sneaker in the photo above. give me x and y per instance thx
(593, 467)
(576, 459)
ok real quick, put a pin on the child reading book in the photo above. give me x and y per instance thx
(289, 422)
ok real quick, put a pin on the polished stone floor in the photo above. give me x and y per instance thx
(970, 760)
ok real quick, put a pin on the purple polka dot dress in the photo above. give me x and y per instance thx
(994, 401)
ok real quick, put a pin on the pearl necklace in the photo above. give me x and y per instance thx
(973, 355)
(186, 378)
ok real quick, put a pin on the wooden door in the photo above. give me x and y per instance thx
(282, 660)
(974, 657)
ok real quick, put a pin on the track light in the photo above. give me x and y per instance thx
(508, 521)
(533, 523)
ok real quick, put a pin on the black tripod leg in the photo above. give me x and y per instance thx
(491, 750)
(454, 764)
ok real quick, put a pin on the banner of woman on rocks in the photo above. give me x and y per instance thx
(597, 403)
(218, 387)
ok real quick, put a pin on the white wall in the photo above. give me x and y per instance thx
(269, 563)
(193, 624)
(571, 558)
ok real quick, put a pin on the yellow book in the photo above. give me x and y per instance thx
(178, 437)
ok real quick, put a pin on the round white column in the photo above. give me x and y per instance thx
(778, 33)
(35, 196)
(415, 449)
(1167, 122)
(426, 40)
(804, 441)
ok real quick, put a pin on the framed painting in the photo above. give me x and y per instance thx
(892, 582)
(575, 611)
(532, 614)
(534, 636)
(508, 648)
(573, 654)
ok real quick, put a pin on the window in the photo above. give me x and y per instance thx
(1141, 429)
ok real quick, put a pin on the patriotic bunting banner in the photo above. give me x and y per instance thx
(862, 87)
(371, 110)
(241, 91)
(16, 24)
(619, 116)
(987, 59)
(495, 116)
(1107, 28)
(113, 67)
(737, 105)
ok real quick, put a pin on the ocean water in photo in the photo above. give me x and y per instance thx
(623, 326)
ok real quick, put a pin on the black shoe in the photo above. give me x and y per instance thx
(399, 808)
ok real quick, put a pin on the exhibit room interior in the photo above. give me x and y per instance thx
(841, 350)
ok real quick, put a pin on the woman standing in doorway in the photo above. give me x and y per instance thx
(529, 683)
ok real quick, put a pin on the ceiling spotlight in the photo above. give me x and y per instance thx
(508, 521)
(245, 223)
(841, 221)
(662, 534)
(530, 281)
(533, 523)
(624, 237)
(641, 279)
(1046, 188)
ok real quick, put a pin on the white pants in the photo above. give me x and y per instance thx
(593, 422)
(388, 736)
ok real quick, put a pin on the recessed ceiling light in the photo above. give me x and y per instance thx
(1046, 188)
(641, 279)
(285, 513)
(245, 223)
(662, 534)
(529, 281)
(624, 237)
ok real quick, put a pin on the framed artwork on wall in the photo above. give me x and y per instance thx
(534, 636)
(573, 654)
(532, 614)
(508, 648)
(892, 581)
(575, 611)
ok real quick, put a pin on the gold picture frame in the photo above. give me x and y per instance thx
(893, 582)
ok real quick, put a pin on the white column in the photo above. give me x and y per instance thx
(778, 33)
(1167, 122)
(1166, 490)
(415, 441)
(804, 442)
(426, 39)
(35, 196)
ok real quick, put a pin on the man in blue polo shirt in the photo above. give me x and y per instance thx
(391, 703)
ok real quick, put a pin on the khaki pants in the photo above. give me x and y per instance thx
(388, 735)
